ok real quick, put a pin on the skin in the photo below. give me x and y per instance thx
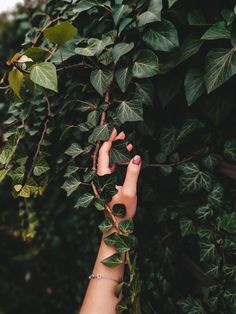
(100, 298)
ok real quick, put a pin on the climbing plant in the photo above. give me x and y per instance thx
(162, 71)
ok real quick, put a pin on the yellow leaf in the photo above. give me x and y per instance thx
(17, 187)
(16, 78)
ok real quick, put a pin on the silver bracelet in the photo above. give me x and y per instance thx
(98, 276)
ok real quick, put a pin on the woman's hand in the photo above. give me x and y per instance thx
(127, 194)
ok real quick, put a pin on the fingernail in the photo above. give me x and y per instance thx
(136, 160)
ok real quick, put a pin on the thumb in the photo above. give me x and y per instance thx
(132, 174)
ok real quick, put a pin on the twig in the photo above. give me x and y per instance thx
(51, 53)
(78, 65)
(40, 141)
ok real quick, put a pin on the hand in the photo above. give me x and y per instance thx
(127, 194)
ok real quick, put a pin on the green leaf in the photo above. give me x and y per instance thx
(3, 173)
(106, 185)
(169, 87)
(220, 67)
(121, 49)
(119, 12)
(186, 226)
(217, 31)
(84, 200)
(126, 226)
(196, 18)
(153, 14)
(122, 243)
(41, 166)
(144, 90)
(172, 2)
(74, 150)
(106, 225)
(9, 149)
(113, 260)
(101, 80)
(210, 162)
(16, 80)
(60, 33)
(227, 222)
(193, 178)
(168, 140)
(95, 46)
(123, 78)
(45, 75)
(194, 85)
(119, 210)
(71, 184)
(118, 289)
(130, 110)
(191, 306)
(146, 64)
(111, 239)
(36, 54)
(204, 212)
(230, 149)
(208, 252)
(216, 196)
(85, 5)
(164, 38)
(119, 153)
(100, 133)
(189, 126)
(99, 204)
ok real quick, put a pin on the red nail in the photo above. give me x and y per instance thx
(136, 160)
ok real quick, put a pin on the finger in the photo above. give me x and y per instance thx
(103, 155)
(132, 173)
(129, 147)
(120, 136)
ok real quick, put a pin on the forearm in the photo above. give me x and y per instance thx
(100, 296)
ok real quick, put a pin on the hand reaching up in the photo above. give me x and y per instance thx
(127, 193)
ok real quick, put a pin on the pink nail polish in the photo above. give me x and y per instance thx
(136, 160)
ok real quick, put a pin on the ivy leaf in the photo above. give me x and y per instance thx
(101, 79)
(122, 243)
(36, 54)
(118, 289)
(146, 64)
(130, 110)
(99, 204)
(84, 200)
(203, 212)
(220, 67)
(111, 239)
(230, 149)
(208, 252)
(168, 140)
(3, 173)
(126, 226)
(189, 126)
(144, 91)
(113, 260)
(119, 210)
(9, 149)
(71, 184)
(196, 18)
(227, 223)
(186, 226)
(193, 178)
(153, 14)
(106, 185)
(74, 150)
(120, 11)
(194, 85)
(16, 80)
(216, 196)
(165, 38)
(45, 75)
(191, 306)
(85, 5)
(95, 46)
(60, 33)
(106, 225)
(169, 87)
(41, 166)
(172, 2)
(217, 31)
(119, 153)
(121, 49)
(100, 133)
(123, 78)
(210, 162)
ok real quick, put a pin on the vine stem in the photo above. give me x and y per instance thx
(40, 140)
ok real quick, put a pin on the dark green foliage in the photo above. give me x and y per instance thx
(163, 72)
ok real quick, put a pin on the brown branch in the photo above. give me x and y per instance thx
(49, 114)
(51, 53)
